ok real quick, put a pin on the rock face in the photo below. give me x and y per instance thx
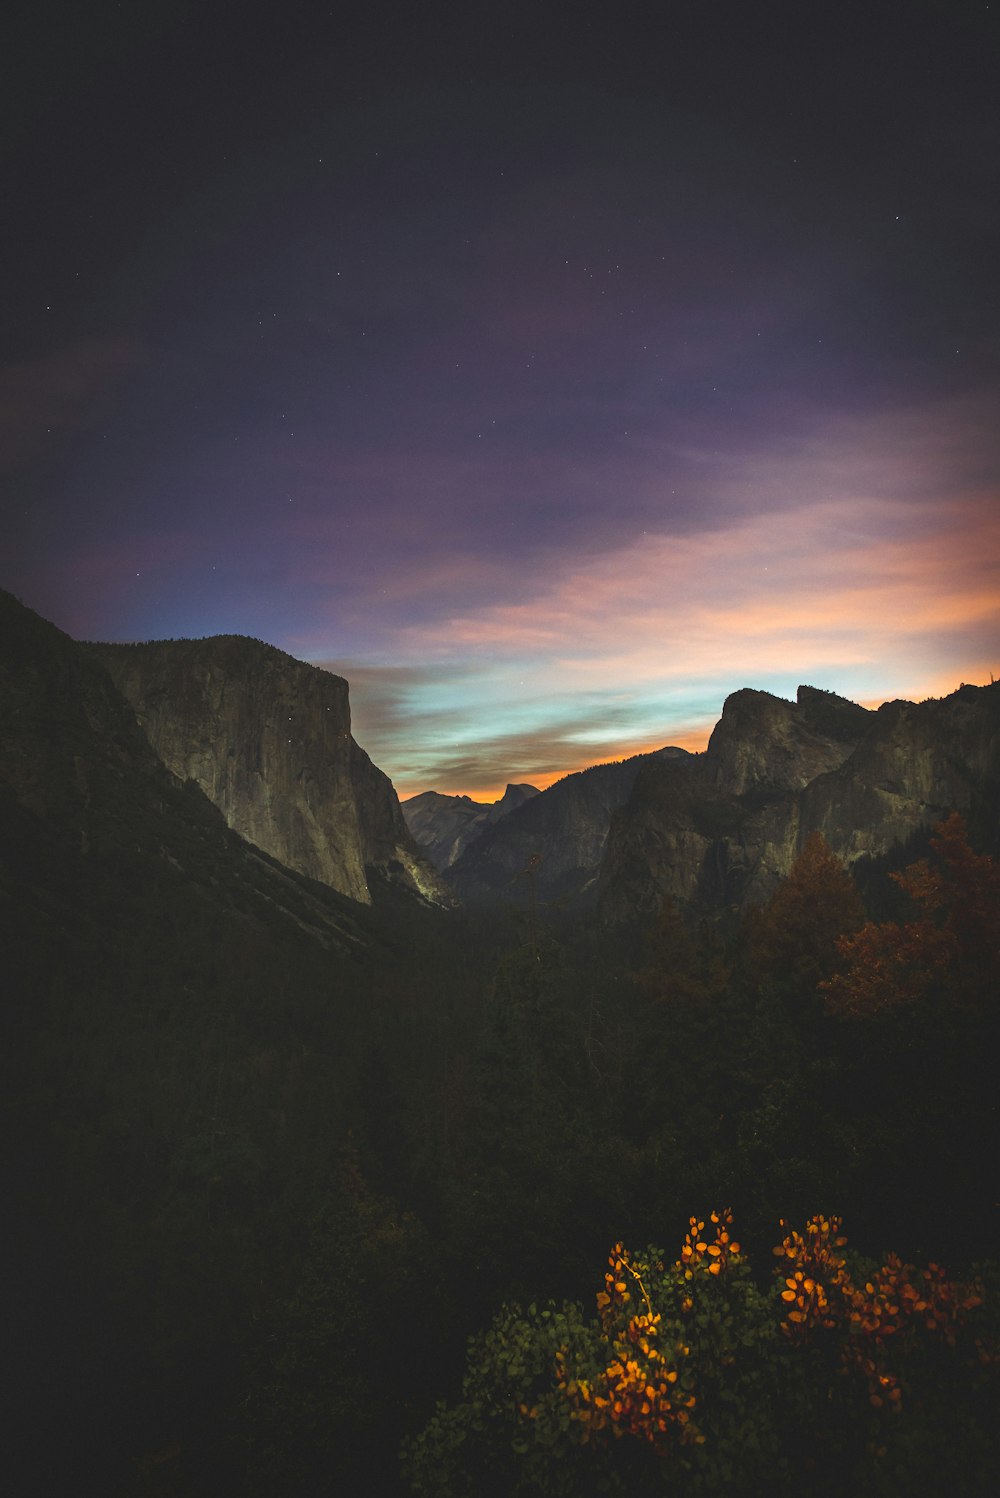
(764, 744)
(387, 845)
(561, 832)
(268, 740)
(86, 803)
(917, 762)
(444, 826)
(718, 832)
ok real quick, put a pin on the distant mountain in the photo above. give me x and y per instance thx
(444, 826)
(268, 740)
(717, 832)
(561, 833)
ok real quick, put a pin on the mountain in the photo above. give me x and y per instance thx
(86, 798)
(564, 828)
(268, 740)
(444, 826)
(718, 831)
(184, 1027)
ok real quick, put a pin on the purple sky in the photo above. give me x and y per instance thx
(549, 372)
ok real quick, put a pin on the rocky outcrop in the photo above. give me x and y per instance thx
(268, 740)
(444, 826)
(918, 761)
(560, 834)
(718, 832)
(764, 744)
(89, 812)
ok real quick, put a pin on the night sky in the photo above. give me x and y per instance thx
(549, 371)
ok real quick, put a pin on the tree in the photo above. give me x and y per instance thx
(951, 947)
(793, 940)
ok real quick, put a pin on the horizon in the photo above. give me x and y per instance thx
(692, 736)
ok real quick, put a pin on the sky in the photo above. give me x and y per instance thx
(550, 371)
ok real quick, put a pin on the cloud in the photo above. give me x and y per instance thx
(831, 574)
(873, 570)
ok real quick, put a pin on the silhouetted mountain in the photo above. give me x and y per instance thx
(444, 826)
(561, 833)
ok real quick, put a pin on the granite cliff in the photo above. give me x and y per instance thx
(718, 832)
(91, 818)
(268, 740)
(444, 826)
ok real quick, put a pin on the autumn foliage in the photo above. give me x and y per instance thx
(710, 1380)
(793, 939)
(951, 945)
(868, 1318)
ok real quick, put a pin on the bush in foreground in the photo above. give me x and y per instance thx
(695, 1378)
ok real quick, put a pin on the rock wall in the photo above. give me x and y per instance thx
(718, 833)
(268, 739)
(89, 813)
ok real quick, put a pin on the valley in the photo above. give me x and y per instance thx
(303, 1087)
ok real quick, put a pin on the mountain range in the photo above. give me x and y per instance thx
(717, 831)
(185, 728)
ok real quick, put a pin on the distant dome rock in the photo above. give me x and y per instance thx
(513, 796)
(444, 826)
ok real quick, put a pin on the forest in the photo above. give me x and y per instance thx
(287, 1220)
